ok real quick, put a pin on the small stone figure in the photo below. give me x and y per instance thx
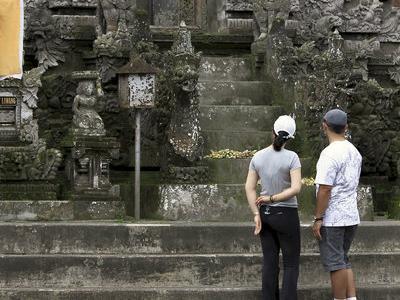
(266, 11)
(261, 14)
(86, 120)
(116, 14)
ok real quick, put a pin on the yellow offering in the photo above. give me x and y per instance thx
(11, 38)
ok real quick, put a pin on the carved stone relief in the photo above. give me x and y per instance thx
(24, 156)
(42, 30)
(169, 13)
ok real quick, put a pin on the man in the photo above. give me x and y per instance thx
(336, 214)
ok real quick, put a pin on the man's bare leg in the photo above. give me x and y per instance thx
(339, 281)
(351, 286)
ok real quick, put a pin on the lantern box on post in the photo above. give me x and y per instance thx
(136, 84)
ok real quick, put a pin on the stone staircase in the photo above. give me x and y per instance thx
(105, 260)
(236, 110)
(237, 113)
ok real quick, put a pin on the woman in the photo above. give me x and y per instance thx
(275, 210)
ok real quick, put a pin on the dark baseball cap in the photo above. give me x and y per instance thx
(336, 117)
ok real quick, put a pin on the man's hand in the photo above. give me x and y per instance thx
(317, 230)
(263, 199)
(257, 221)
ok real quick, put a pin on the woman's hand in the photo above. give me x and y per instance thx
(257, 221)
(263, 200)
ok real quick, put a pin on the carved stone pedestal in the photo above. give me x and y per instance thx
(87, 167)
(259, 49)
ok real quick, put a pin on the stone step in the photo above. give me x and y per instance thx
(235, 140)
(49, 210)
(169, 238)
(226, 68)
(214, 92)
(233, 171)
(238, 117)
(376, 292)
(212, 270)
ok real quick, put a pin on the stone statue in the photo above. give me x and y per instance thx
(335, 45)
(86, 120)
(43, 30)
(184, 132)
(116, 28)
(268, 11)
(115, 15)
(89, 150)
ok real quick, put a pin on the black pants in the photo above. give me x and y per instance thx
(280, 230)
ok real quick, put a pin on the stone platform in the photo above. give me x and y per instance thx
(179, 260)
(58, 210)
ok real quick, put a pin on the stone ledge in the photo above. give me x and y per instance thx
(96, 237)
(25, 210)
(227, 202)
(28, 191)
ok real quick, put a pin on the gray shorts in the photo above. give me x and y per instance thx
(335, 245)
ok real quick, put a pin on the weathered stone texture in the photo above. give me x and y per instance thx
(76, 27)
(73, 3)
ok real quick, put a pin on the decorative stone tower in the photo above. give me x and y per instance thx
(184, 133)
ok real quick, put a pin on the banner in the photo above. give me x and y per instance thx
(11, 38)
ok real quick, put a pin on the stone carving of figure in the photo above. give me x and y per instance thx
(368, 14)
(336, 45)
(261, 14)
(391, 24)
(184, 133)
(266, 11)
(86, 120)
(115, 15)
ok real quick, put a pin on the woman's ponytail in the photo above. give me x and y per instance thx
(280, 140)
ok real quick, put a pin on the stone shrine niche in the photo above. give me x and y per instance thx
(239, 16)
(169, 13)
(10, 113)
(89, 151)
(23, 155)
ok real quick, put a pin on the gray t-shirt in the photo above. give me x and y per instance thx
(273, 168)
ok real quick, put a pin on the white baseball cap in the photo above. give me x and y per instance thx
(285, 123)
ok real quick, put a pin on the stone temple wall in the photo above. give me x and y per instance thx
(326, 53)
(342, 53)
